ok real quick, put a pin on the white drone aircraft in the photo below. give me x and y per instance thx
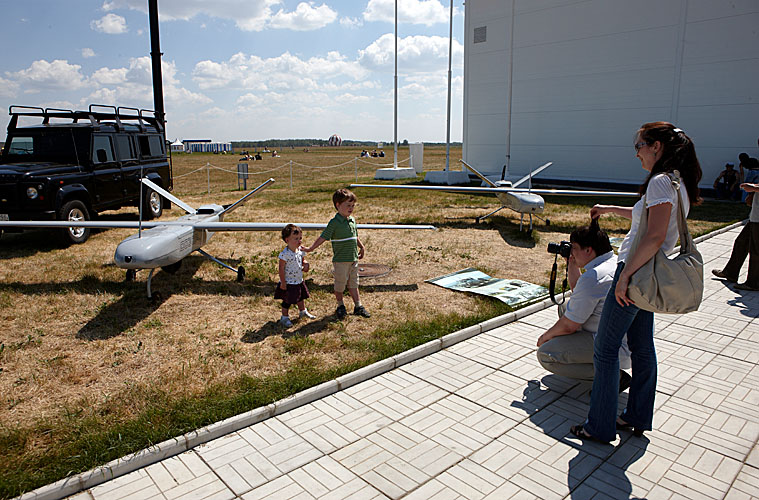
(165, 244)
(521, 200)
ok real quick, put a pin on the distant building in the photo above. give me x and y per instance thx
(206, 146)
(177, 147)
(586, 75)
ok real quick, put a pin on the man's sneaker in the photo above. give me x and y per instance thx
(361, 311)
(285, 321)
(341, 312)
(745, 286)
(305, 314)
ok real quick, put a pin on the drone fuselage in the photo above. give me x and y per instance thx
(524, 203)
(164, 245)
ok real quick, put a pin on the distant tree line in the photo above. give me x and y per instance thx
(304, 143)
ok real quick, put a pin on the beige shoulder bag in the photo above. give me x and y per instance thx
(664, 285)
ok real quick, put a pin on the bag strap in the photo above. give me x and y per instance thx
(686, 241)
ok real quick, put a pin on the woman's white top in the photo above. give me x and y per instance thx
(293, 265)
(659, 190)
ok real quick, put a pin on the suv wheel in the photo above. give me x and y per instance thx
(152, 205)
(74, 210)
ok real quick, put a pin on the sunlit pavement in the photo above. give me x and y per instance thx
(482, 419)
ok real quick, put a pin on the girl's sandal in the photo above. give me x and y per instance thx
(579, 432)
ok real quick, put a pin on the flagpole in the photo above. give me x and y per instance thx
(395, 95)
(448, 117)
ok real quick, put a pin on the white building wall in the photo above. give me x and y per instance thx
(587, 74)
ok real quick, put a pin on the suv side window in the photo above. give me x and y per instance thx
(101, 142)
(124, 149)
(151, 146)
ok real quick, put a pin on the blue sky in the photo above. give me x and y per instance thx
(242, 69)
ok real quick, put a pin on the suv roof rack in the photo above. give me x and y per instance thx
(95, 117)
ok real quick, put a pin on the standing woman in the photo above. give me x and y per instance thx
(661, 149)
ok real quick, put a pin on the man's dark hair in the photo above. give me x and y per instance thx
(743, 157)
(591, 236)
(342, 195)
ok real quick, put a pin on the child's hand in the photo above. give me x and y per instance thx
(283, 286)
(304, 249)
(361, 253)
(306, 267)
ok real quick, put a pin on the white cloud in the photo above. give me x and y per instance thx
(8, 88)
(305, 17)
(110, 24)
(427, 12)
(56, 75)
(351, 22)
(415, 54)
(284, 72)
(133, 85)
(88, 52)
(248, 15)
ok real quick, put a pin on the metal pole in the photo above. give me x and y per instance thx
(511, 74)
(155, 55)
(395, 95)
(448, 119)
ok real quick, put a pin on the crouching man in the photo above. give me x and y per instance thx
(567, 347)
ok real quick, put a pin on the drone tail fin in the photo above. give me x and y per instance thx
(478, 174)
(242, 200)
(158, 189)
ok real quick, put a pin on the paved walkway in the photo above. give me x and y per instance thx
(481, 419)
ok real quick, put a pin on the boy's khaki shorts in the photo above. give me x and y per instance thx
(345, 273)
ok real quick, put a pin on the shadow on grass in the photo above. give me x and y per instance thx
(272, 328)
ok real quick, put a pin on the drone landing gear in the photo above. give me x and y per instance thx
(521, 221)
(478, 219)
(240, 270)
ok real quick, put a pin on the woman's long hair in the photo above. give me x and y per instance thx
(678, 153)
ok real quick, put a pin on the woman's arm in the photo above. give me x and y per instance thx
(658, 222)
(598, 210)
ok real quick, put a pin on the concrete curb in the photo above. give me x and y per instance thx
(180, 444)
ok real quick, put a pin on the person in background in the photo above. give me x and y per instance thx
(727, 183)
(745, 245)
(749, 169)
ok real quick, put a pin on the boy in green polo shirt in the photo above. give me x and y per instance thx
(347, 250)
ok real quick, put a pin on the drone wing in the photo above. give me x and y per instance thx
(447, 189)
(89, 224)
(306, 226)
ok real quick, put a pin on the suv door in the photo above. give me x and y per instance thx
(108, 178)
(127, 154)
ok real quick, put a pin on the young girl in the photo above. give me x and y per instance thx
(291, 288)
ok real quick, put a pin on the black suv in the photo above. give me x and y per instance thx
(75, 164)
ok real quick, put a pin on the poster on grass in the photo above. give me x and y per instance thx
(512, 292)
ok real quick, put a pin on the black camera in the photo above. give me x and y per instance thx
(564, 248)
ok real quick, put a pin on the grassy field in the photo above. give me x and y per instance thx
(91, 370)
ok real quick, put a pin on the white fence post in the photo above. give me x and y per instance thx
(208, 177)
(355, 164)
(291, 174)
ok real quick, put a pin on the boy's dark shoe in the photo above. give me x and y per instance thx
(341, 312)
(746, 286)
(361, 311)
(721, 274)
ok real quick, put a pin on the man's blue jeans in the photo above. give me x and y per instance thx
(615, 321)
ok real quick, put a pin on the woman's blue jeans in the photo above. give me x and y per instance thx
(615, 321)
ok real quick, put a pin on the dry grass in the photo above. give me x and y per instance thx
(78, 340)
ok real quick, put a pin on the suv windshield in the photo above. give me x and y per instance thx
(46, 145)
